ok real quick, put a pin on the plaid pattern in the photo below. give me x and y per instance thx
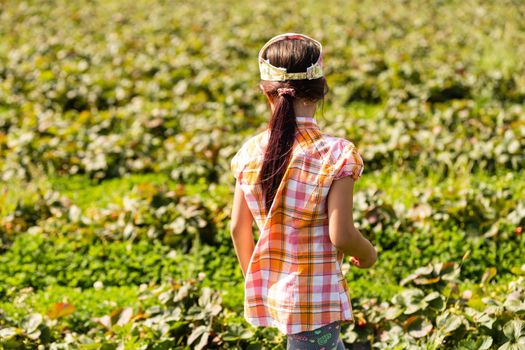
(294, 280)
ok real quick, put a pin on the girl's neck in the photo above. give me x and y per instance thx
(302, 108)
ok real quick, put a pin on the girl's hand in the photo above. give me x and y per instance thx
(355, 261)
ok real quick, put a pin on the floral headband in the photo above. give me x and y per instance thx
(272, 73)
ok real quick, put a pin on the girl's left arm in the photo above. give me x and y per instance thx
(241, 229)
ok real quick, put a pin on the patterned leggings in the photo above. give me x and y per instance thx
(324, 338)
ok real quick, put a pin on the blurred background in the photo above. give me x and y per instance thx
(118, 121)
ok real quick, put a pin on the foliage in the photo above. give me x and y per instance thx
(165, 91)
(118, 123)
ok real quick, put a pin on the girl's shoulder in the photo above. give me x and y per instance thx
(250, 148)
(337, 147)
(343, 157)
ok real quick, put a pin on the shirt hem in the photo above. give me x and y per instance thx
(259, 322)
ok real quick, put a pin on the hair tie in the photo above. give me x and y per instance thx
(286, 91)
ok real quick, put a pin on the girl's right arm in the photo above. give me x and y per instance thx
(343, 234)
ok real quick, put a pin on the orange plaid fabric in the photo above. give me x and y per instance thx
(294, 280)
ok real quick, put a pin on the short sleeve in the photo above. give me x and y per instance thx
(236, 164)
(244, 156)
(349, 163)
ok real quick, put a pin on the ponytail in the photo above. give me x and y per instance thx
(295, 56)
(282, 128)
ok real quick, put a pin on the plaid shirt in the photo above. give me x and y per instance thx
(294, 280)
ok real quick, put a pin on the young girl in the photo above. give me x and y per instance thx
(297, 183)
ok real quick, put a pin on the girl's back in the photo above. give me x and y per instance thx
(285, 177)
(294, 280)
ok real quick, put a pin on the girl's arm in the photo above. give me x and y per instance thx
(343, 234)
(241, 229)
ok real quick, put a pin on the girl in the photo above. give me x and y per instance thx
(297, 184)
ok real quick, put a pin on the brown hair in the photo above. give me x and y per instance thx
(295, 55)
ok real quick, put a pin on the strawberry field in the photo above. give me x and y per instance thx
(118, 121)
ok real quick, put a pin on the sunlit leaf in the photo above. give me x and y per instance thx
(60, 310)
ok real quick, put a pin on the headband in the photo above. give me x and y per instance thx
(272, 73)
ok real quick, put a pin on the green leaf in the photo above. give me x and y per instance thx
(512, 346)
(31, 322)
(393, 312)
(518, 270)
(488, 275)
(254, 346)
(514, 305)
(425, 270)
(514, 330)
(484, 342)
(200, 331)
(448, 323)
(413, 299)
(435, 300)
(418, 326)
(481, 318)
(125, 316)
(7, 333)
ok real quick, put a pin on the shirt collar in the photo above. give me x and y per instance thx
(306, 122)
